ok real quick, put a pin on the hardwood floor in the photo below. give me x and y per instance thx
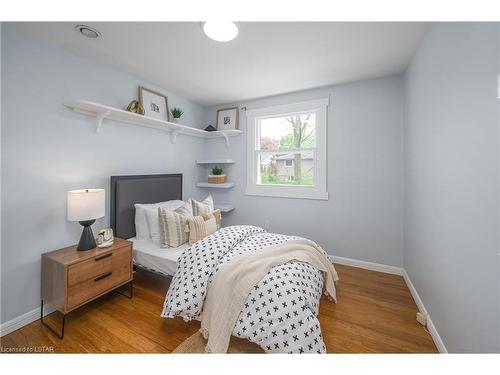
(375, 313)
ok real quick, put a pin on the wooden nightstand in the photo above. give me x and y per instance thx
(71, 278)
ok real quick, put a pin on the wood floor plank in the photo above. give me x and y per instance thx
(375, 313)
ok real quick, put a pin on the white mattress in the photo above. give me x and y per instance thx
(149, 254)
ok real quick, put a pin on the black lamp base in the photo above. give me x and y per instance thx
(87, 240)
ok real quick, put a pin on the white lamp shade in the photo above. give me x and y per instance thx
(86, 204)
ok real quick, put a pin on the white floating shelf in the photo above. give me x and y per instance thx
(215, 161)
(226, 185)
(101, 112)
(224, 207)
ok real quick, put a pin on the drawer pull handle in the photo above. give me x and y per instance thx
(103, 257)
(99, 278)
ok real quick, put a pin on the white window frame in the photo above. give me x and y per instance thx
(316, 191)
(291, 163)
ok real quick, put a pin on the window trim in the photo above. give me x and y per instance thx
(291, 163)
(319, 189)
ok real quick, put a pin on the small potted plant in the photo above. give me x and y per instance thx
(176, 114)
(217, 176)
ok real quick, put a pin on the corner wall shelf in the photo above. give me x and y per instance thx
(226, 185)
(215, 161)
(101, 112)
(224, 207)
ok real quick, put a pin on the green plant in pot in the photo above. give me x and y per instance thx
(176, 114)
(217, 176)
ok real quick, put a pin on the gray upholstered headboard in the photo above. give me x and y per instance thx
(128, 190)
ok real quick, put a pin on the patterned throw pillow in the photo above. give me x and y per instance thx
(151, 213)
(173, 225)
(206, 206)
(203, 225)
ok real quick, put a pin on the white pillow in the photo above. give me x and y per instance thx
(141, 224)
(154, 220)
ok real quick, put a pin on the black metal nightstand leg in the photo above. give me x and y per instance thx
(131, 285)
(60, 335)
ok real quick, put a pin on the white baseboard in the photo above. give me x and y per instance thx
(421, 307)
(25, 319)
(401, 272)
(368, 265)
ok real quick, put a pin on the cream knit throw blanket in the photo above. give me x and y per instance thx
(234, 281)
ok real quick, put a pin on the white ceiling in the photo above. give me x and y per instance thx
(265, 59)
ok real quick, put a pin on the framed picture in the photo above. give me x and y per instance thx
(155, 104)
(227, 118)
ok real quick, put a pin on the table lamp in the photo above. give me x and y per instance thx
(85, 206)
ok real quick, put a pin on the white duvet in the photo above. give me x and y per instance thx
(280, 313)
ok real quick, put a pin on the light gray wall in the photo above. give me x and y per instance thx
(363, 219)
(1, 284)
(48, 149)
(452, 187)
(498, 169)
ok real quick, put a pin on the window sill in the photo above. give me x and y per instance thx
(287, 192)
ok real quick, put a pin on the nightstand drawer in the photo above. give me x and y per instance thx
(98, 265)
(87, 290)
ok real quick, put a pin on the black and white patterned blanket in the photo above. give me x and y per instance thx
(280, 313)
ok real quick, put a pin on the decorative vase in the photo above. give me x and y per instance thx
(216, 179)
(175, 120)
(135, 107)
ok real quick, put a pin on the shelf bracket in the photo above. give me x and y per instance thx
(99, 119)
(226, 137)
(174, 134)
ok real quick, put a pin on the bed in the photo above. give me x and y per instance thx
(280, 312)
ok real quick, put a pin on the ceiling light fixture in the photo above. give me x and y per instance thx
(88, 31)
(221, 31)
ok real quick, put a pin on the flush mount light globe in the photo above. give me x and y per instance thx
(221, 31)
(88, 31)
